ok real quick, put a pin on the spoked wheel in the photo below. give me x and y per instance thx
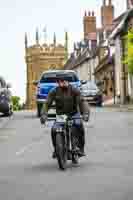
(75, 150)
(61, 152)
(75, 158)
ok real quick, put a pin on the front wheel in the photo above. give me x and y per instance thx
(61, 152)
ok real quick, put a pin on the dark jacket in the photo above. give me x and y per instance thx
(67, 101)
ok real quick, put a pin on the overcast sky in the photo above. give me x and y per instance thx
(18, 17)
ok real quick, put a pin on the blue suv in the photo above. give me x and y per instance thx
(48, 82)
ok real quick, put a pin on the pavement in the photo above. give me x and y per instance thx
(27, 170)
(119, 107)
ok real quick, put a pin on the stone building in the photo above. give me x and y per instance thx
(129, 4)
(124, 81)
(80, 65)
(104, 71)
(40, 58)
(84, 58)
(106, 49)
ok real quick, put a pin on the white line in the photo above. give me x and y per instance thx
(5, 137)
(26, 148)
(23, 150)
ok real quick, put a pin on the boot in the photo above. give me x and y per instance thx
(81, 152)
(54, 155)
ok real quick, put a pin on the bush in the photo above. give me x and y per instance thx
(16, 103)
(129, 54)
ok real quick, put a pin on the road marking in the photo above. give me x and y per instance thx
(23, 150)
(26, 148)
(4, 137)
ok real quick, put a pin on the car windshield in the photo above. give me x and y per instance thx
(89, 86)
(51, 77)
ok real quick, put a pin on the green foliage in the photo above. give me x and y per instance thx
(16, 103)
(129, 54)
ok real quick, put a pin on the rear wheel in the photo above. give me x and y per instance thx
(61, 152)
(75, 148)
(75, 158)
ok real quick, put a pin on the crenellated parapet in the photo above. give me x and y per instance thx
(45, 49)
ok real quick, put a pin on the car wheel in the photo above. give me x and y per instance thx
(39, 109)
(99, 104)
(8, 114)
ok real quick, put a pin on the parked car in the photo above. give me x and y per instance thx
(5, 98)
(91, 93)
(48, 82)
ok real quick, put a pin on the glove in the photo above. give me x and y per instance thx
(86, 117)
(43, 119)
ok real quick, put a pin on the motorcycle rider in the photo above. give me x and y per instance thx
(68, 101)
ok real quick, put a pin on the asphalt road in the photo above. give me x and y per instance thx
(27, 171)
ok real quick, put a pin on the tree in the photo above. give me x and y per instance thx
(129, 57)
(129, 54)
(16, 103)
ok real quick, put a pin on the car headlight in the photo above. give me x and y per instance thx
(84, 94)
(38, 90)
(2, 95)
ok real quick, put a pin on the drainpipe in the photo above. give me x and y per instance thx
(114, 84)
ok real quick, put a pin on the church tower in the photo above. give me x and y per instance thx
(39, 58)
(107, 14)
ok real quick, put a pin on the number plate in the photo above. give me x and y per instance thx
(49, 123)
(88, 98)
(52, 111)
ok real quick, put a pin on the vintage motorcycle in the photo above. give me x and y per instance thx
(66, 143)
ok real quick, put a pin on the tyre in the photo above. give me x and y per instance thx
(39, 109)
(75, 149)
(9, 112)
(99, 104)
(61, 152)
(75, 158)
